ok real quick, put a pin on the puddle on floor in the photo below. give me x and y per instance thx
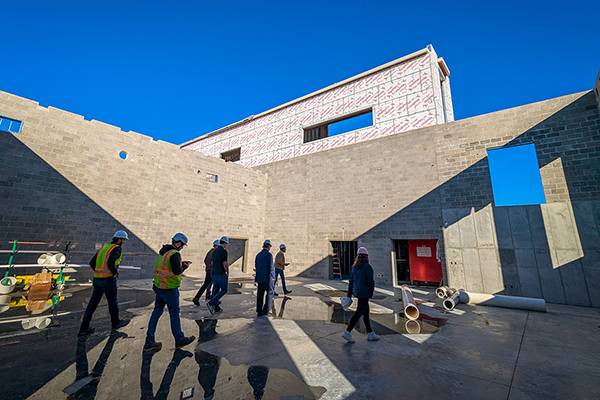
(182, 374)
(342, 293)
(312, 308)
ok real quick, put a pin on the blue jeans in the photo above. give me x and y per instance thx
(220, 283)
(102, 287)
(279, 272)
(170, 298)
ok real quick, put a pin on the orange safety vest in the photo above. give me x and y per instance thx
(102, 270)
(164, 278)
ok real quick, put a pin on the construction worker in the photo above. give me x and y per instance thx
(207, 275)
(280, 265)
(105, 264)
(263, 263)
(220, 274)
(166, 282)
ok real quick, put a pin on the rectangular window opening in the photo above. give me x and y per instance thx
(10, 125)
(349, 123)
(515, 176)
(212, 178)
(232, 155)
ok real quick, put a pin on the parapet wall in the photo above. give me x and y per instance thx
(62, 180)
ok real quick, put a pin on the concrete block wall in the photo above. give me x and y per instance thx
(404, 96)
(434, 183)
(62, 179)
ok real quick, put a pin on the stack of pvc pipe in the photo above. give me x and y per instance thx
(453, 297)
(411, 311)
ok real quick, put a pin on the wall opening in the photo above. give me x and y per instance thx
(342, 258)
(515, 176)
(232, 155)
(338, 126)
(10, 125)
(401, 264)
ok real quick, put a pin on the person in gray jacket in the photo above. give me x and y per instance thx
(361, 286)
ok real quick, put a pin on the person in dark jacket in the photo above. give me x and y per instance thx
(207, 276)
(105, 264)
(361, 286)
(263, 264)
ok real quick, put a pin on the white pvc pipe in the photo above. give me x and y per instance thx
(498, 300)
(411, 311)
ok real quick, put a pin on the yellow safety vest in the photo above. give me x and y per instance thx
(102, 270)
(164, 278)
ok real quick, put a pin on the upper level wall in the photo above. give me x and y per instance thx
(61, 179)
(404, 96)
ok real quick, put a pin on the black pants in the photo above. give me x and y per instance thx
(262, 299)
(205, 286)
(108, 288)
(362, 310)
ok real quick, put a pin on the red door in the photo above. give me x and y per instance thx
(423, 261)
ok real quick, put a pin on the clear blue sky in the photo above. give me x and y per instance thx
(177, 69)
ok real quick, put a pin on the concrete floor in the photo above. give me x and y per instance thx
(473, 352)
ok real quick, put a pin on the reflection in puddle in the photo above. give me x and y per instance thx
(311, 308)
(163, 378)
(341, 293)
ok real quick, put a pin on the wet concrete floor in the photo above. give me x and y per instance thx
(297, 352)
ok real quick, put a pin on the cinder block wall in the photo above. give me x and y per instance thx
(61, 179)
(434, 183)
(405, 96)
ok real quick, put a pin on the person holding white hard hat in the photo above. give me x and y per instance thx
(361, 286)
(105, 264)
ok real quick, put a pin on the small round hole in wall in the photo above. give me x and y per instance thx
(123, 155)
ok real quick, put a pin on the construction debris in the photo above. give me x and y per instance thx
(411, 311)
(494, 300)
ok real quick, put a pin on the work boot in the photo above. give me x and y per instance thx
(196, 301)
(218, 309)
(287, 291)
(156, 346)
(85, 332)
(122, 323)
(185, 341)
(275, 294)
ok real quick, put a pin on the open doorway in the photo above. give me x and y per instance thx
(237, 254)
(416, 261)
(342, 258)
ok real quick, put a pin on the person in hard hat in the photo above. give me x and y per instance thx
(220, 274)
(105, 264)
(280, 265)
(166, 282)
(361, 286)
(263, 263)
(207, 275)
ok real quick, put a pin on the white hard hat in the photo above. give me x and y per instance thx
(224, 239)
(362, 250)
(180, 237)
(216, 242)
(282, 246)
(345, 301)
(121, 235)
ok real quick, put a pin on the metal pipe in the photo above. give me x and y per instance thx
(498, 300)
(451, 301)
(444, 291)
(411, 311)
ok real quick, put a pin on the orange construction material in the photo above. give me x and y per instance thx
(40, 286)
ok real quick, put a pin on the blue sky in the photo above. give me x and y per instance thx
(177, 69)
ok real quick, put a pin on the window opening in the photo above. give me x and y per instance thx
(515, 176)
(337, 127)
(10, 125)
(232, 155)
